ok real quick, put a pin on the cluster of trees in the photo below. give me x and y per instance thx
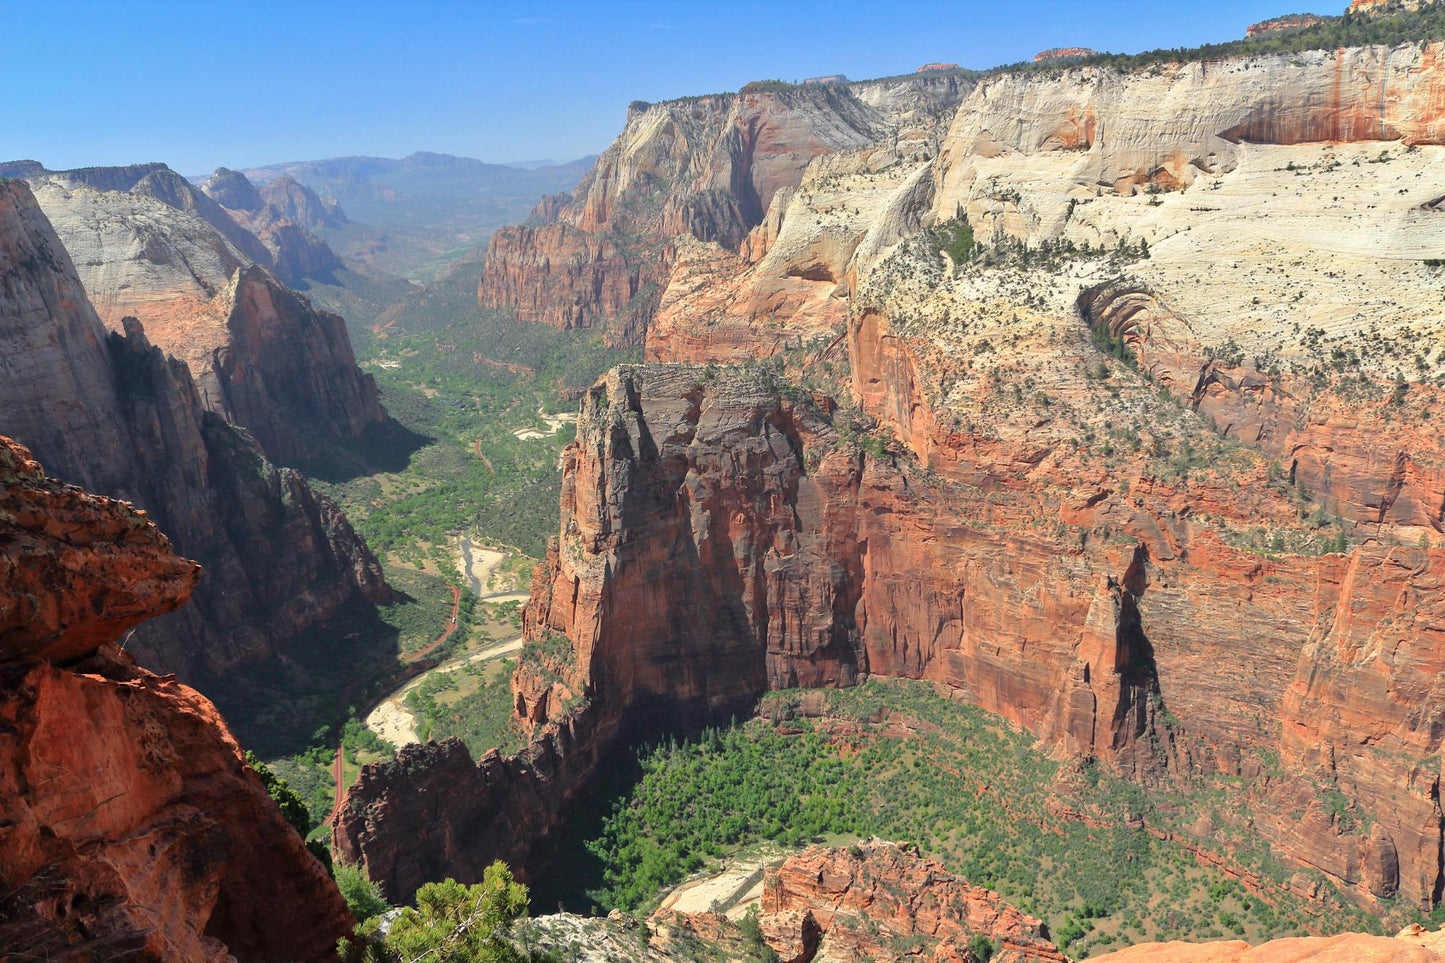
(451, 922)
(482, 717)
(961, 784)
(1350, 30)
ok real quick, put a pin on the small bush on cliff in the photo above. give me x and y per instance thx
(954, 238)
(451, 923)
(293, 810)
(982, 947)
(362, 895)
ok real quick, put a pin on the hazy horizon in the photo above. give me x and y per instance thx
(105, 83)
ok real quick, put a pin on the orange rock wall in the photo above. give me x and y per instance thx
(130, 826)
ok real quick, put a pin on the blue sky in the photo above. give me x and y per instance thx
(248, 82)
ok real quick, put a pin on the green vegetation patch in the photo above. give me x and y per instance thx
(464, 380)
(473, 703)
(901, 762)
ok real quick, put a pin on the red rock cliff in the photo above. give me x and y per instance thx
(130, 826)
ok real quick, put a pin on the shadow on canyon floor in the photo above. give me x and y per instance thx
(385, 447)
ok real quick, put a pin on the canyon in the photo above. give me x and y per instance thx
(1099, 400)
(1096, 399)
(208, 282)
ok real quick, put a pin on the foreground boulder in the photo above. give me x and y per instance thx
(130, 825)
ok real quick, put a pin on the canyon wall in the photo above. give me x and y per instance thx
(146, 244)
(111, 411)
(130, 824)
(1185, 121)
(705, 167)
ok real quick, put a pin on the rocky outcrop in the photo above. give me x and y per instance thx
(434, 812)
(1385, 7)
(1063, 53)
(869, 900)
(113, 412)
(130, 825)
(233, 191)
(150, 246)
(284, 215)
(1293, 21)
(295, 202)
(285, 371)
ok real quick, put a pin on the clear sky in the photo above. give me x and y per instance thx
(247, 82)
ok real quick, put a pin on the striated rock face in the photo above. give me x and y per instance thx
(130, 825)
(155, 248)
(1210, 113)
(113, 412)
(867, 899)
(705, 167)
(556, 274)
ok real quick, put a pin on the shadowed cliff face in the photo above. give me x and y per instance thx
(113, 412)
(206, 282)
(129, 824)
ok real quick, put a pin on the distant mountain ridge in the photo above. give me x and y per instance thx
(417, 214)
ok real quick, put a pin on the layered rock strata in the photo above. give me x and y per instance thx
(113, 412)
(705, 167)
(204, 281)
(867, 901)
(130, 825)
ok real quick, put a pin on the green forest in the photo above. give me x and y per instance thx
(897, 761)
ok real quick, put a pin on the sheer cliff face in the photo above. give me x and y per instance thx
(111, 411)
(1170, 127)
(129, 824)
(707, 168)
(155, 248)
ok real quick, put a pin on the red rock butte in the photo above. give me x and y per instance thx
(1063, 53)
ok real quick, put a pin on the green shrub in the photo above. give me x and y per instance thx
(362, 895)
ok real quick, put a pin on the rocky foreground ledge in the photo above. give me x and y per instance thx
(887, 903)
(131, 826)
